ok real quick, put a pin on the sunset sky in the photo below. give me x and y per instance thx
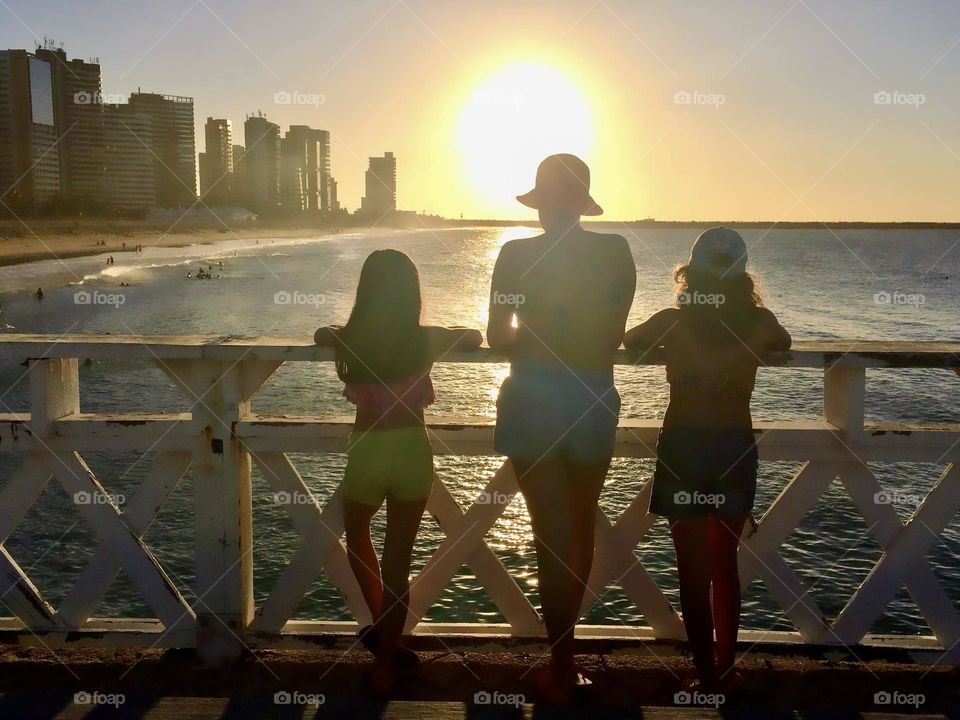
(684, 110)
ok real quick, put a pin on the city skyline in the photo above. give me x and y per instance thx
(807, 112)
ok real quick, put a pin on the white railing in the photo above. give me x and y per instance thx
(220, 437)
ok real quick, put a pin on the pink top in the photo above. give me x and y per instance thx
(393, 405)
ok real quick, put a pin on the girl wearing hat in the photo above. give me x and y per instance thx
(558, 306)
(706, 473)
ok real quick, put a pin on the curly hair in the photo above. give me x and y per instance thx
(735, 291)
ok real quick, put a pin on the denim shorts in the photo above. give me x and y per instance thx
(547, 411)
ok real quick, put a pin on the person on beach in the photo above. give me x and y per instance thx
(384, 356)
(558, 306)
(706, 472)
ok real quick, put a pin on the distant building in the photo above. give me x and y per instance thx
(129, 180)
(173, 145)
(78, 115)
(306, 153)
(29, 151)
(262, 164)
(332, 196)
(238, 187)
(381, 187)
(216, 164)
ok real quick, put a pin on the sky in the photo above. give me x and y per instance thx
(805, 110)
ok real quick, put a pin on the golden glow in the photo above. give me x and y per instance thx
(514, 119)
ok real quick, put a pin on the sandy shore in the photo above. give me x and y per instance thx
(49, 240)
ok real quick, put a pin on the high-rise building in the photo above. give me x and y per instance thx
(29, 147)
(238, 187)
(78, 116)
(173, 146)
(332, 196)
(262, 163)
(129, 180)
(309, 150)
(381, 187)
(217, 163)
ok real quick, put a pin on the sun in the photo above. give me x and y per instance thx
(513, 120)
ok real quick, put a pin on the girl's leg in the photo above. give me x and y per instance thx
(723, 538)
(693, 569)
(362, 555)
(547, 494)
(586, 482)
(403, 522)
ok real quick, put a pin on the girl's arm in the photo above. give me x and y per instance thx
(771, 335)
(652, 332)
(501, 331)
(326, 336)
(447, 339)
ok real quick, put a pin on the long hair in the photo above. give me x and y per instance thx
(383, 340)
(720, 306)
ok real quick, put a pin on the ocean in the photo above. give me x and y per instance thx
(854, 283)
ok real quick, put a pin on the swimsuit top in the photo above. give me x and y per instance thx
(393, 404)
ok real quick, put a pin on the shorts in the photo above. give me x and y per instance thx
(547, 411)
(397, 463)
(704, 470)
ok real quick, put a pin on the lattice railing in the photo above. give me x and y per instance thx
(220, 437)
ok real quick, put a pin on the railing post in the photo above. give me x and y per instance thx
(222, 496)
(54, 392)
(844, 390)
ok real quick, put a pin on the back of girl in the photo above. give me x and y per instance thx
(706, 474)
(384, 356)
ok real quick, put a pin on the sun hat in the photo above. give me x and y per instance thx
(563, 181)
(719, 251)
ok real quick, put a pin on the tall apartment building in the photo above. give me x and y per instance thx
(262, 162)
(129, 181)
(78, 116)
(29, 148)
(217, 163)
(173, 146)
(381, 186)
(238, 186)
(308, 149)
